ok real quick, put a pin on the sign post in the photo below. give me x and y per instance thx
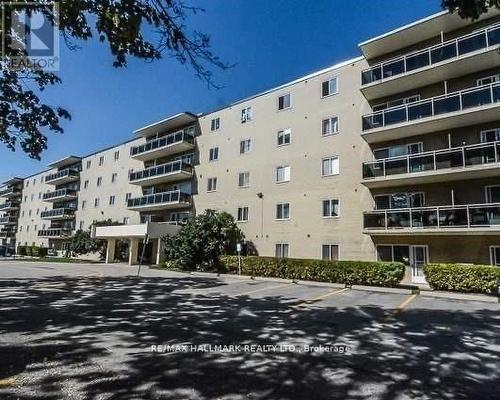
(238, 249)
(145, 242)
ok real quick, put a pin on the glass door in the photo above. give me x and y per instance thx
(418, 258)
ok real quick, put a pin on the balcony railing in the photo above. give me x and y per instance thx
(186, 135)
(58, 212)
(7, 234)
(483, 39)
(447, 103)
(164, 169)
(8, 220)
(438, 217)
(458, 157)
(55, 232)
(68, 172)
(175, 196)
(59, 193)
(8, 204)
(9, 191)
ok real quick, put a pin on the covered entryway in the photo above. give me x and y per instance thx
(136, 235)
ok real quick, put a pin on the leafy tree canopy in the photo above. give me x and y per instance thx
(200, 243)
(144, 29)
(472, 9)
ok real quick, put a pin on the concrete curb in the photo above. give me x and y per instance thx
(461, 296)
(380, 289)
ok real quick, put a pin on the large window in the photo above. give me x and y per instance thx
(284, 137)
(399, 150)
(488, 80)
(281, 250)
(211, 184)
(330, 252)
(246, 115)
(330, 208)
(399, 200)
(330, 87)
(244, 179)
(283, 174)
(330, 166)
(215, 124)
(495, 255)
(245, 146)
(491, 135)
(213, 154)
(282, 211)
(330, 126)
(242, 214)
(493, 194)
(284, 101)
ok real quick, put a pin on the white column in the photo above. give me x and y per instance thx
(110, 251)
(133, 251)
(158, 252)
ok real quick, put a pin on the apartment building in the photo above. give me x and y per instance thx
(392, 156)
(10, 193)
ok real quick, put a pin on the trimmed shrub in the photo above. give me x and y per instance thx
(348, 272)
(21, 250)
(463, 278)
(39, 251)
(29, 251)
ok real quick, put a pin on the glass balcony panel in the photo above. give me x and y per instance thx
(443, 53)
(496, 93)
(449, 159)
(373, 121)
(397, 166)
(494, 36)
(479, 155)
(373, 170)
(419, 163)
(398, 219)
(374, 221)
(393, 68)
(472, 43)
(424, 218)
(456, 217)
(445, 105)
(485, 216)
(476, 98)
(417, 61)
(395, 116)
(417, 111)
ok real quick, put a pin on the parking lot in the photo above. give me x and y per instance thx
(77, 331)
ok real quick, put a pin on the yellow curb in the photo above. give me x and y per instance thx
(401, 307)
(262, 289)
(322, 297)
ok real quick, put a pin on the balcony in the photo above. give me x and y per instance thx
(9, 206)
(58, 214)
(177, 142)
(55, 233)
(475, 218)
(169, 172)
(480, 160)
(160, 201)
(461, 56)
(467, 107)
(6, 234)
(8, 220)
(64, 176)
(60, 195)
(10, 192)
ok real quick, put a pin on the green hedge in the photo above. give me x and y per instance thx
(348, 272)
(463, 278)
(34, 251)
(21, 250)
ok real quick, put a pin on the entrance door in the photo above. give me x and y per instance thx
(418, 258)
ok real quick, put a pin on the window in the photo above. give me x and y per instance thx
(32, 196)
(127, 197)
(245, 146)
(330, 208)
(330, 252)
(89, 164)
(101, 161)
(215, 124)
(22, 214)
(330, 87)
(111, 200)
(491, 135)
(399, 200)
(29, 213)
(330, 166)
(81, 225)
(246, 115)
(34, 181)
(242, 214)
(284, 137)
(117, 155)
(27, 183)
(37, 211)
(126, 220)
(20, 228)
(283, 211)
(113, 177)
(283, 174)
(99, 181)
(281, 250)
(284, 101)
(492, 194)
(84, 203)
(399, 150)
(397, 102)
(495, 255)
(330, 126)
(86, 184)
(213, 154)
(96, 202)
(244, 179)
(25, 198)
(39, 195)
(27, 228)
(488, 80)
(211, 184)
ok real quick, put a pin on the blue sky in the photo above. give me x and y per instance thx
(269, 41)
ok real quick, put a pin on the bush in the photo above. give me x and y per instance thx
(463, 278)
(39, 251)
(348, 272)
(29, 251)
(21, 250)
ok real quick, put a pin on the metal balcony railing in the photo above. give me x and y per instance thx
(458, 157)
(175, 196)
(436, 217)
(8, 191)
(58, 212)
(185, 135)
(456, 48)
(59, 193)
(8, 204)
(54, 232)
(447, 103)
(163, 169)
(8, 220)
(68, 172)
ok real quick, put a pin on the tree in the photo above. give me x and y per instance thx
(200, 243)
(82, 241)
(472, 9)
(144, 29)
